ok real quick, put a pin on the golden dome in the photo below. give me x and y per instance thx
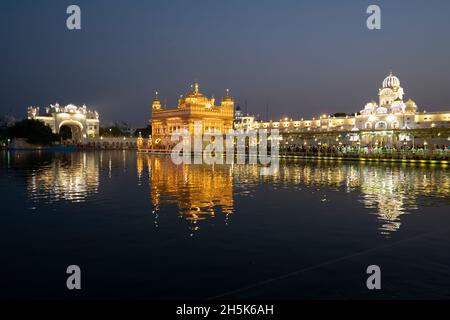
(156, 104)
(411, 106)
(156, 97)
(227, 97)
(194, 92)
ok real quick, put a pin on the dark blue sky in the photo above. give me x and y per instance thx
(303, 58)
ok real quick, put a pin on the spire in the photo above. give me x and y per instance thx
(156, 104)
(227, 96)
(196, 87)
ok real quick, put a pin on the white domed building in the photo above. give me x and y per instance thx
(390, 112)
(390, 122)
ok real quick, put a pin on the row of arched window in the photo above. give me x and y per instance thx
(383, 125)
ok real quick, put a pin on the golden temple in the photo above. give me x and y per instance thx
(192, 108)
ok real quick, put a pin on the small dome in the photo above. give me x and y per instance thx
(370, 105)
(381, 110)
(227, 97)
(71, 108)
(156, 97)
(398, 106)
(391, 81)
(410, 106)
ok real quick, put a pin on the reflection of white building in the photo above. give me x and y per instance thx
(82, 121)
(71, 177)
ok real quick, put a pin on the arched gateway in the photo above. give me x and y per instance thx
(81, 121)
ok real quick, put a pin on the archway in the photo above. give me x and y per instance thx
(381, 125)
(65, 133)
(395, 125)
(71, 130)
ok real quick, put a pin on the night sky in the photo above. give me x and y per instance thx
(302, 58)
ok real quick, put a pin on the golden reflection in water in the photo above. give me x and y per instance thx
(387, 191)
(72, 177)
(199, 191)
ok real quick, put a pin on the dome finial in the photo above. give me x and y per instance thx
(196, 87)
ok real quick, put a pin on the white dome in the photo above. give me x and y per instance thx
(397, 106)
(391, 81)
(381, 110)
(71, 108)
(370, 106)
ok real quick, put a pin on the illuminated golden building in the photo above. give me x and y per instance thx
(192, 108)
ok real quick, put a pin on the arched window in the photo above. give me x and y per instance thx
(395, 125)
(381, 125)
(368, 125)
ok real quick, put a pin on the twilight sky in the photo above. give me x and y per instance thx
(302, 58)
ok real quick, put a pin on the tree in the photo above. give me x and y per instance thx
(35, 131)
(112, 131)
(3, 129)
(145, 132)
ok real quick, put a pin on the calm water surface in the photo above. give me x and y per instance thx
(142, 227)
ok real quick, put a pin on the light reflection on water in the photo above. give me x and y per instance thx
(72, 178)
(200, 191)
(135, 220)
(203, 192)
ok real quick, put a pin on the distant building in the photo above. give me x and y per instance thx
(238, 114)
(194, 107)
(82, 122)
(243, 122)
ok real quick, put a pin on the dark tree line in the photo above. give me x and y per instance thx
(34, 131)
(144, 132)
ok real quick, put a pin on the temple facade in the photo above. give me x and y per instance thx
(192, 108)
(82, 122)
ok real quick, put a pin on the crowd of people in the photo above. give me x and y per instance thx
(351, 149)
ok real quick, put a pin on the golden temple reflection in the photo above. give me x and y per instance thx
(202, 191)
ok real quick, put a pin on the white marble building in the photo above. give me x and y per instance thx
(390, 121)
(83, 122)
